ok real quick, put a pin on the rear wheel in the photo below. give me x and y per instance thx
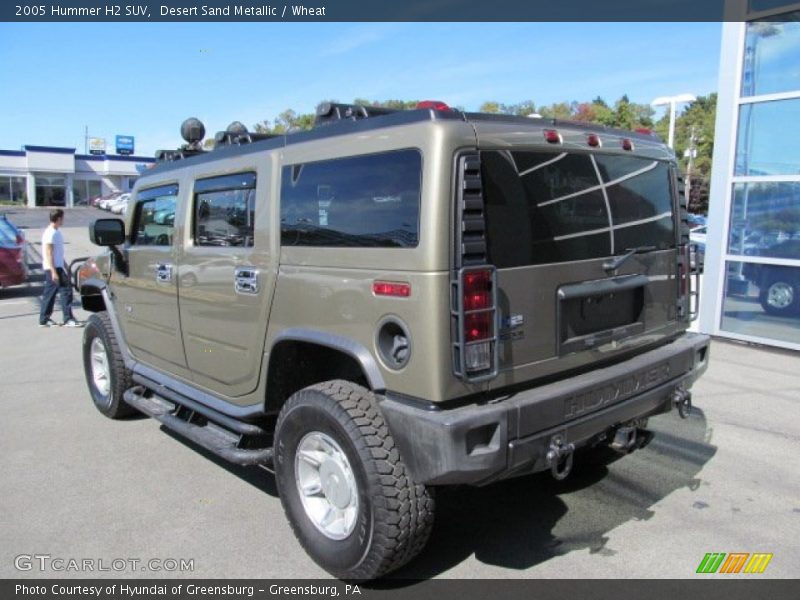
(779, 297)
(106, 375)
(343, 485)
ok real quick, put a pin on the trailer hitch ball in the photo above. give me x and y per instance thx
(559, 457)
(682, 399)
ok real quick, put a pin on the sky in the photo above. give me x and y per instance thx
(144, 79)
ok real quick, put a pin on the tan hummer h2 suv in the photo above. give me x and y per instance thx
(396, 301)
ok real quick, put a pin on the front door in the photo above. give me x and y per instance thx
(147, 300)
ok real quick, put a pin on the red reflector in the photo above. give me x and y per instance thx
(477, 290)
(434, 104)
(391, 288)
(478, 326)
(627, 144)
(552, 136)
(593, 140)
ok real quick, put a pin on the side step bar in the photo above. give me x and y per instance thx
(211, 434)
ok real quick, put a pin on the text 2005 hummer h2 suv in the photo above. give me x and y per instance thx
(396, 301)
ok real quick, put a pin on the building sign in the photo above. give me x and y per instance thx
(124, 144)
(97, 146)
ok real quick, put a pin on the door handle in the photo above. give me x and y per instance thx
(163, 272)
(246, 280)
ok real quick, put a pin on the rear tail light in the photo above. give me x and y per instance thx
(477, 323)
(627, 144)
(593, 140)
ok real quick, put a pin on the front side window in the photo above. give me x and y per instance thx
(548, 208)
(154, 223)
(359, 201)
(224, 210)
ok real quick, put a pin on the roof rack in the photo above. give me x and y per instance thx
(331, 112)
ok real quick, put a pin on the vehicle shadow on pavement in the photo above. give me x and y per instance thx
(256, 476)
(526, 521)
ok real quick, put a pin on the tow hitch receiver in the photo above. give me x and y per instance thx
(559, 457)
(630, 437)
(682, 399)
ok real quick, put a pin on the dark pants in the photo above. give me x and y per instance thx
(51, 288)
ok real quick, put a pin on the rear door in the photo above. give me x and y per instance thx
(585, 247)
(226, 279)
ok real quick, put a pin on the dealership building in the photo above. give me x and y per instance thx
(751, 283)
(52, 176)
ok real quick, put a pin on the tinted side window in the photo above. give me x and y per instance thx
(224, 210)
(359, 201)
(154, 222)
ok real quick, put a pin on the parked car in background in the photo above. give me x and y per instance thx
(697, 237)
(105, 201)
(120, 205)
(696, 221)
(121, 199)
(13, 269)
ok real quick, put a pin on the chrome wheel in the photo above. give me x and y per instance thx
(101, 374)
(780, 295)
(327, 485)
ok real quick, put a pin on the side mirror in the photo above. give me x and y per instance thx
(107, 232)
(111, 233)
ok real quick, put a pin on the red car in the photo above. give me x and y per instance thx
(13, 269)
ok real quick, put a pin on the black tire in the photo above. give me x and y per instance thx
(109, 402)
(394, 515)
(779, 296)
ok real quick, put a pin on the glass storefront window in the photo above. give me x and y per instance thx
(765, 220)
(762, 301)
(84, 190)
(759, 5)
(50, 191)
(12, 189)
(767, 139)
(772, 56)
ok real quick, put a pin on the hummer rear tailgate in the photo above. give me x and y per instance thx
(584, 239)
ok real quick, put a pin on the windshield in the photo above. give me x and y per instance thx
(545, 207)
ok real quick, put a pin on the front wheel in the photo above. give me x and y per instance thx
(106, 375)
(344, 487)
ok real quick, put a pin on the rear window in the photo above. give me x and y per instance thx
(360, 201)
(545, 207)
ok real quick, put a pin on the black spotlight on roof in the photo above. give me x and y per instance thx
(193, 131)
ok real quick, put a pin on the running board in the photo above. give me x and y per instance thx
(208, 434)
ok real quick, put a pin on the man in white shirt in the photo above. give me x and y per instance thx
(56, 278)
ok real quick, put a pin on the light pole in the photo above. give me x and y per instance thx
(672, 101)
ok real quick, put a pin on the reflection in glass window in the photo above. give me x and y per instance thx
(772, 56)
(762, 301)
(224, 210)
(545, 208)
(359, 201)
(765, 220)
(767, 138)
(155, 216)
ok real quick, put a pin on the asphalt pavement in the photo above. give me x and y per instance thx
(77, 485)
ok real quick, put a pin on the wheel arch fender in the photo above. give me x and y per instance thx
(318, 356)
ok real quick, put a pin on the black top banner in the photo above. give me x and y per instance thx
(370, 10)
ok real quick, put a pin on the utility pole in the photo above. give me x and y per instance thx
(85, 139)
(691, 153)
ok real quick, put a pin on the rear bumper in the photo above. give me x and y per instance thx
(477, 444)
